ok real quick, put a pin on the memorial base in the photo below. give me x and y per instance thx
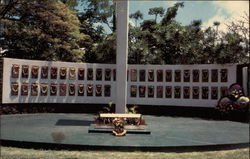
(131, 129)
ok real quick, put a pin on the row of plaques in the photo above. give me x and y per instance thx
(79, 73)
(45, 89)
(178, 75)
(176, 91)
(62, 73)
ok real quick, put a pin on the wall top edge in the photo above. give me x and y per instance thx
(130, 65)
(55, 62)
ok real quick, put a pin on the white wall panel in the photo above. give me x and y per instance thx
(8, 98)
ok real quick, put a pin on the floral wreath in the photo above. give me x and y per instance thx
(119, 124)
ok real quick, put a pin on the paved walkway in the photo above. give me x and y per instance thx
(167, 133)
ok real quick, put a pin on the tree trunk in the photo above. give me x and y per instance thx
(114, 22)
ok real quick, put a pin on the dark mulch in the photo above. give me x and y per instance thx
(199, 112)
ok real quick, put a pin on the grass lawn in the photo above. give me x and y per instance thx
(19, 153)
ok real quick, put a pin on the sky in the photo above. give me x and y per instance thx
(207, 11)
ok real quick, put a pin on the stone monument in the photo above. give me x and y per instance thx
(121, 55)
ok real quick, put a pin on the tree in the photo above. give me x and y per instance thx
(46, 30)
(6, 6)
(137, 15)
(70, 3)
(106, 50)
(241, 27)
(137, 48)
(230, 49)
(171, 13)
(165, 42)
(216, 32)
(156, 11)
(99, 11)
(94, 15)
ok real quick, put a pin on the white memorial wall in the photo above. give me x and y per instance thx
(31, 81)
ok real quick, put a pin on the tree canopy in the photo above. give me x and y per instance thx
(137, 16)
(156, 11)
(41, 29)
(56, 30)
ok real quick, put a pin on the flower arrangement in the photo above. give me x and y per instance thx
(129, 121)
(119, 129)
(235, 101)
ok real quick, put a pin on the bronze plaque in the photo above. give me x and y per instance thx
(25, 71)
(98, 74)
(44, 72)
(34, 89)
(72, 89)
(72, 73)
(142, 91)
(107, 74)
(205, 92)
(80, 89)
(63, 72)
(151, 75)
(186, 76)
(142, 75)
(168, 93)
(14, 88)
(159, 93)
(53, 73)
(177, 75)
(34, 71)
(177, 92)
(214, 92)
(15, 71)
(63, 89)
(133, 74)
(196, 92)
(133, 91)
(186, 92)
(196, 75)
(53, 89)
(224, 75)
(159, 75)
(81, 72)
(89, 90)
(24, 89)
(168, 75)
(44, 89)
(107, 90)
(205, 75)
(214, 75)
(98, 90)
(90, 74)
(151, 91)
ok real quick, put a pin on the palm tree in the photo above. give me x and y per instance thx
(137, 15)
(156, 11)
(216, 24)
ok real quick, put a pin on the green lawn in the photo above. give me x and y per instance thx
(18, 153)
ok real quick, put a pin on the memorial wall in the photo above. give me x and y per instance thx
(31, 81)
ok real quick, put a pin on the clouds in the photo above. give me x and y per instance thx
(218, 17)
(227, 11)
(233, 7)
(170, 3)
